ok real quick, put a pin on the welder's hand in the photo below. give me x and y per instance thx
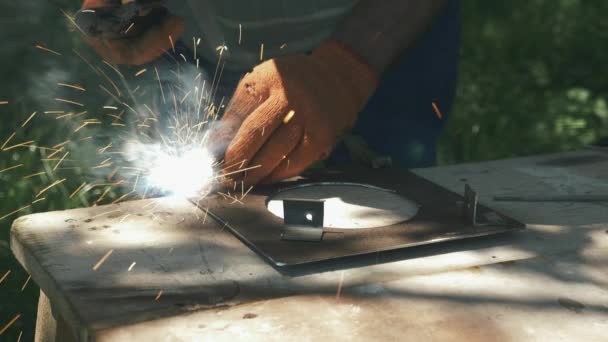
(140, 49)
(290, 112)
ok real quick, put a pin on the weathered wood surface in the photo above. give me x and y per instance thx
(529, 300)
(199, 265)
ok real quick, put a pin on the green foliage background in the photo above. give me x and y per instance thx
(532, 80)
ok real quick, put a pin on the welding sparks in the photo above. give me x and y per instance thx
(7, 141)
(8, 325)
(121, 198)
(78, 189)
(55, 183)
(103, 195)
(23, 144)
(289, 116)
(48, 50)
(15, 211)
(172, 44)
(206, 213)
(26, 282)
(437, 111)
(28, 119)
(177, 163)
(4, 276)
(180, 171)
(140, 72)
(241, 170)
(73, 86)
(162, 93)
(339, 292)
(39, 200)
(129, 28)
(11, 168)
(261, 52)
(34, 175)
(60, 161)
(102, 260)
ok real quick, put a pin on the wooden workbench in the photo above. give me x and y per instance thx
(548, 282)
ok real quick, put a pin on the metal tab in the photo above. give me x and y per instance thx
(303, 220)
(471, 214)
(469, 207)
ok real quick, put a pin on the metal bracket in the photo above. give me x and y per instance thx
(303, 220)
(469, 206)
(469, 210)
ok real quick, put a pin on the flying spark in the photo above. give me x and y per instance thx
(4, 276)
(34, 175)
(48, 50)
(8, 325)
(39, 200)
(73, 86)
(289, 116)
(7, 141)
(129, 28)
(14, 212)
(436, 109)
(55, 183)
(339, 292)
(102, 260)
(26, 281)
(11, 168)
(261, 52)
(28, 119)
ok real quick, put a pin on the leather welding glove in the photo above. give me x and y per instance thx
(140, 49)
(291, 111)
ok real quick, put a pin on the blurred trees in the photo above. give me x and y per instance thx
(532, 79)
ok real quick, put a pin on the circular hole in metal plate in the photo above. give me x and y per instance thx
(350, 205)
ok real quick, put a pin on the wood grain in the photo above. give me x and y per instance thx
(200, 266)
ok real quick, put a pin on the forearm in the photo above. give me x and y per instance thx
(380, 30)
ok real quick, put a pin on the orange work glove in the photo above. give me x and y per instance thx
(291, 111)
(140, 49)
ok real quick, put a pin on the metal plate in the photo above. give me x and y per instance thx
(350, 205)
(439, 219)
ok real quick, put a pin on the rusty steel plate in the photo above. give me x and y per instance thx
(439, 218)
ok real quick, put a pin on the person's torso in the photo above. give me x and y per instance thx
(258, 29)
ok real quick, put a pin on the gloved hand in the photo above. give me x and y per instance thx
(140, 49)
(291, 111)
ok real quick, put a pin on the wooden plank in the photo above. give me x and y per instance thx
(197, 264)
(581, 172)
(545, 300)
